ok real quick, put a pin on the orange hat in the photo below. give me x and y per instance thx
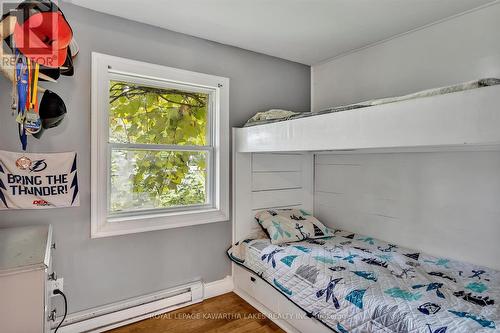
(44, 38)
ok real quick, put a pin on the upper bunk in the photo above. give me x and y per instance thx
(461, 120)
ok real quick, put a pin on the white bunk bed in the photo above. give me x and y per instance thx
(464, 118)
(273, 165)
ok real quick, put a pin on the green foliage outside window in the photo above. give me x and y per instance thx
(149, 178)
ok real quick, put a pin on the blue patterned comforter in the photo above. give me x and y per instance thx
(354, 283)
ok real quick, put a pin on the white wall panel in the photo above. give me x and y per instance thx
(445, 204)
(457, 50)
(281, 180)
(276, 198)
(276, 162)
(340, 178)
(269, 180)
(276, 180)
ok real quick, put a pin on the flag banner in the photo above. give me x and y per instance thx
(37, 181)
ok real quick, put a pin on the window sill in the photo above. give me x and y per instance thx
(114, 226)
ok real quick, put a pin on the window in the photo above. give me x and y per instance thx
(159, 147)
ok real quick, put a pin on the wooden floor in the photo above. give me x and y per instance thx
(225, 313)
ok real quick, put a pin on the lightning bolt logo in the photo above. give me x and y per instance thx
(38, 166)
(2, 187)
(74, 183)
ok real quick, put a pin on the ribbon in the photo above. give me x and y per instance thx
(22, 93)
(32, 121)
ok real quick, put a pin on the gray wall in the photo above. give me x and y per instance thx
(445, 204)
(101, 271)
(461, 49)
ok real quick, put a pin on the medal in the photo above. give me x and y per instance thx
(32, 122)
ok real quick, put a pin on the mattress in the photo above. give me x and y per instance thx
(354, 283)
(421, 94)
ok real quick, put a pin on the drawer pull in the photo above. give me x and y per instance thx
(252, 279)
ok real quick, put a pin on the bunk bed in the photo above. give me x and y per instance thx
(273, 168)
(444, 117)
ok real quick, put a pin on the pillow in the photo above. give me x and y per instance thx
(238, 251)
(290, 225)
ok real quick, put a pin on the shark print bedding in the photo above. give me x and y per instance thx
(354, 283)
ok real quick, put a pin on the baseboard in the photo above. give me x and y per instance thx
(219, 287)
(133, 311)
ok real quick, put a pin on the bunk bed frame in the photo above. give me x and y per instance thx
(459, 120)
(273, 165)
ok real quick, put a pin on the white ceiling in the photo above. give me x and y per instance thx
(305, 31)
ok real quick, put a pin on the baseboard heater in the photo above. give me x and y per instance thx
(128, 311)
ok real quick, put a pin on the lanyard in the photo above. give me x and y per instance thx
(32, 122)
(33, 85)
(22, 83)
(22, 94)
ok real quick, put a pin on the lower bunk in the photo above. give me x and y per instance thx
(353, 283)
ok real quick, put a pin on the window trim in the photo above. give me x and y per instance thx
(103, 68)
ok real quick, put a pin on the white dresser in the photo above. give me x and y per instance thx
(25, 265)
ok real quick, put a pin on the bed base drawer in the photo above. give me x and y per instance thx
(283, 310)
(255, 287)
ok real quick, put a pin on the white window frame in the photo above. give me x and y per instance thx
(106, 68)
